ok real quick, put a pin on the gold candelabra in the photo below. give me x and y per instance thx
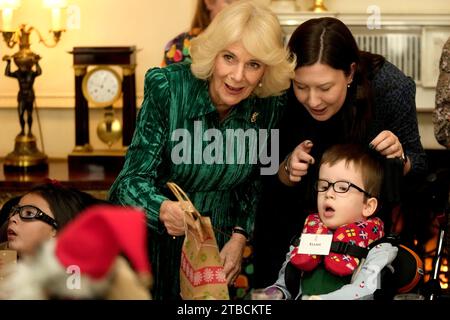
(26, 155)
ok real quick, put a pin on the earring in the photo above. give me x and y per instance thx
(260, 85)
(348, 86)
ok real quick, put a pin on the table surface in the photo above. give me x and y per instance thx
(88, 177)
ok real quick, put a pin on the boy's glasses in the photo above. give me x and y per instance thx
(30, 212)
(338, 186)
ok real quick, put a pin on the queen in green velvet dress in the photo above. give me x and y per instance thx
(186, 133)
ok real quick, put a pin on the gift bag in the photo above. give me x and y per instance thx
(201, 271)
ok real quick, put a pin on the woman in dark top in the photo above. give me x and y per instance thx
(339, 95)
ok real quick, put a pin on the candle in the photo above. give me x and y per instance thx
(55, 6)
(7, 15)
(56, 19)
(7, 7)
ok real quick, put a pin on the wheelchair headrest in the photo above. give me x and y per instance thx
(407, 267)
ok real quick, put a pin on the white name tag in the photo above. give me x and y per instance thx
(319, 244)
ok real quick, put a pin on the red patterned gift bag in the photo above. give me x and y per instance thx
(201, 270)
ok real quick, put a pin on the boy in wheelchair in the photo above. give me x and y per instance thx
(348, 188)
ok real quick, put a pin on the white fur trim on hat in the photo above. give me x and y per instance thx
(42, 277)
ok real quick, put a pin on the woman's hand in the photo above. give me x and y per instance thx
(172, 216)
(296, 165)
(231, 255)
(388, 144)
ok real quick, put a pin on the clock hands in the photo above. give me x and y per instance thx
(102, 86)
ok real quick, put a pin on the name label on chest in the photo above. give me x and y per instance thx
(319, 244)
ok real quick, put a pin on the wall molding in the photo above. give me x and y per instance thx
(294, 18)
(64, 100)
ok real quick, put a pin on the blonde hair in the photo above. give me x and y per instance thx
(258, 29)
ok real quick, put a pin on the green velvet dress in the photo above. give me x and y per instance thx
(226, 190)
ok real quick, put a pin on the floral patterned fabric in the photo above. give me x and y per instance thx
(178, 49)
(441, 114)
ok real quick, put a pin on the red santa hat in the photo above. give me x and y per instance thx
(82, 262)
(99, 235)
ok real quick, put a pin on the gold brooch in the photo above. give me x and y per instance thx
(254, 116)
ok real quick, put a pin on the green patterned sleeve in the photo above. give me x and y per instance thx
(135, 185)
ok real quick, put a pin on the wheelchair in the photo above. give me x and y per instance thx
(405, 274)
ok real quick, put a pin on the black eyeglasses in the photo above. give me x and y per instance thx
(338, 186)
(30, 212)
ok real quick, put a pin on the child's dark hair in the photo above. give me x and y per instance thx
(329, 41)
(4, 216)
(64, 202)
(368, 161)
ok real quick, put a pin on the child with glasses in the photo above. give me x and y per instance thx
(350, 179)
(41, 213)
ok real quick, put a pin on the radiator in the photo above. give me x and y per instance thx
(401, 49)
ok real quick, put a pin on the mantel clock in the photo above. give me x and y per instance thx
(99, 84)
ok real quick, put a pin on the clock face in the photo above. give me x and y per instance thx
(102, 86)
